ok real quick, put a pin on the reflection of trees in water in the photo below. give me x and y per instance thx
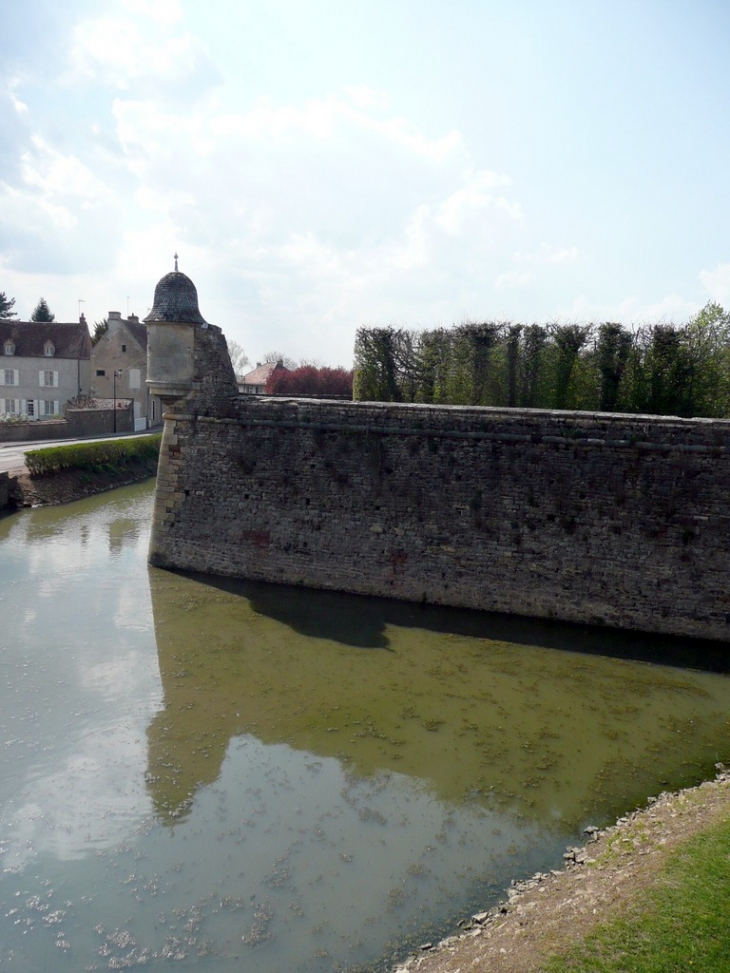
(471, 704)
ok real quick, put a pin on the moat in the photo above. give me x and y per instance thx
(225, 776)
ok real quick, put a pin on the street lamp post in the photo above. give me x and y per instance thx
(117, 374)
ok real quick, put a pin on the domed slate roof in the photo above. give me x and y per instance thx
(176, 299)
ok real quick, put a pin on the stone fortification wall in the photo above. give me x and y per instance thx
(621, 520)
(4, 490)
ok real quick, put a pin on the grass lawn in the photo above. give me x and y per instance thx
(681, 924)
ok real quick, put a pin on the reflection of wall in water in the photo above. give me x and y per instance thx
(448, 698)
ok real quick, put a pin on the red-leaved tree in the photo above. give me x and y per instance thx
(308, 380)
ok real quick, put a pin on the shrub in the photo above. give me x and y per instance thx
(110, 456)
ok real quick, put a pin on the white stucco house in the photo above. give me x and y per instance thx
(42, 366)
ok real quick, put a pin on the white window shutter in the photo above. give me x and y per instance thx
(55, 385)
(2, 406)
(16, 376)
(42, 379)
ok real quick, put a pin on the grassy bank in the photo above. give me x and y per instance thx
(650, 894)
(109, 456)
(61, 474)
(681, 923)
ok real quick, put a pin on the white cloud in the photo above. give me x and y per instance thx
(162, 11)
(630, 310)
(717, 283)
(365, 97)
(465, 204)
(513, 279)
(57, 212)
(548, 255)
(122, 54)
(325, 118)
(56, 175)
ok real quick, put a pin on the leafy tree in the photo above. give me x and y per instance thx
(383, 358)
(308, 380)
(6, 306)
(612, 353)
(659, 369)
(100, 328)
(534, 342)
(42, 312)
(434, 360)
(569, 340)
(512, 353)
(707, 339)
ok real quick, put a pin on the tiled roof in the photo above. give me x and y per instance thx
(138, 330)
(176, 299)
(260, 374)
(29, 337)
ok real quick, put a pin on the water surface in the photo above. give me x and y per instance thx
(225, 776)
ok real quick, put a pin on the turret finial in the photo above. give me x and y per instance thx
(176, 261)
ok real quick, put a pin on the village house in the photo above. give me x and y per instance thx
(119, 368)
(254, 383)
(43, 365)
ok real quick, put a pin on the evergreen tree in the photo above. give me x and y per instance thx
(42, 312)
(6, 306)
(100, 328)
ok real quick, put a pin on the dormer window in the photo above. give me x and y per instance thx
(49, 349)
(9, 348)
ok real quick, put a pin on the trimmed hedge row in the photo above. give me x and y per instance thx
(99, 457)
(655, 369)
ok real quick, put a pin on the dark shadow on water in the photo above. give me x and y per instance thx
(503, 720)
(361, 622)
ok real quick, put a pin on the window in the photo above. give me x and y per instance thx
(48, 380)
(11, 376)
(124, 347)
(9, 348)
(10, 407)
(30, 408)
(49, 349)
(101, 371)
(50, 408)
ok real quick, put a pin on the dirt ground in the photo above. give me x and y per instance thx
(551, 911)
(71, 485)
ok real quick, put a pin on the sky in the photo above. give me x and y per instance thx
(319, 165)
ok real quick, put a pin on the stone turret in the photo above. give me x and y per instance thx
(188, 365)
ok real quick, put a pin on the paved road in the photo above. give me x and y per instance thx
(12, 455)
